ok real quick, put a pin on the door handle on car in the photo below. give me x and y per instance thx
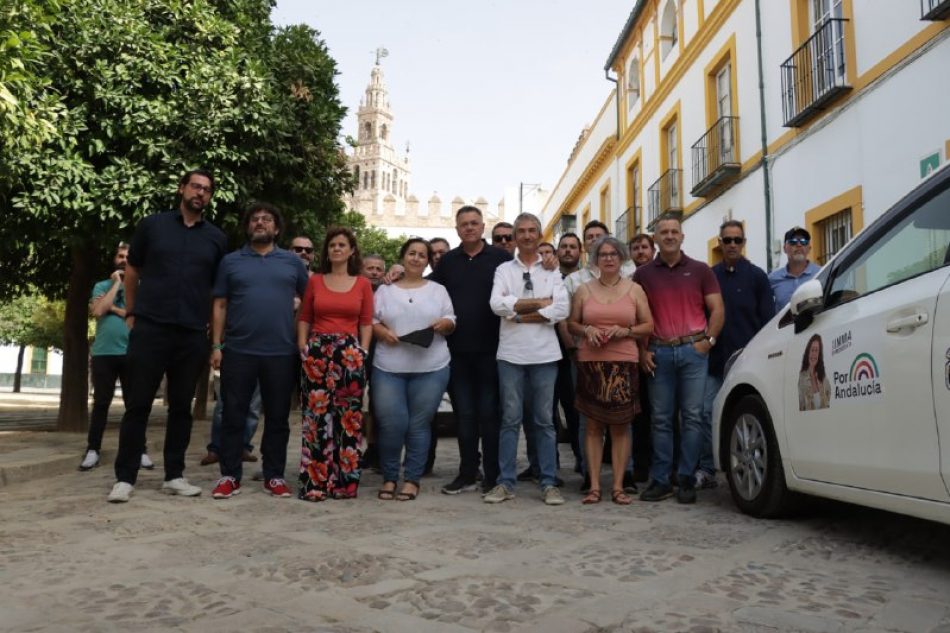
(913, 321)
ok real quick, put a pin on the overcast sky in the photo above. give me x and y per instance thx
(488, 93)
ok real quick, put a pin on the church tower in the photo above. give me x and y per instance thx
(382, 175)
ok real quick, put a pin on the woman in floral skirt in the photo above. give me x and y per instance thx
(334, 330)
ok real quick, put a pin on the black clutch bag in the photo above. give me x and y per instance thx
(422, 338)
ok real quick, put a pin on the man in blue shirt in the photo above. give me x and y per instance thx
(749, 304)
(254, 342)
(785, 280)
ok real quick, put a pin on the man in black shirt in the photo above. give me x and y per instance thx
(468, 272)
(173, 258)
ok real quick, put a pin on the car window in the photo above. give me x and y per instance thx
(915, 245)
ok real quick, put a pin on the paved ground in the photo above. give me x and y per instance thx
(71, 562)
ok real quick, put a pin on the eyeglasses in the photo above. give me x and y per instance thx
(732, 240)
(502, 238)
(265, 219)
(303, 249)
(608, 255)
(528, 285)
(798, 241)
(202, 188)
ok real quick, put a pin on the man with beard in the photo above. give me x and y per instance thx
(797, 271)
(172, 262)
(302, 246)
(642, 249)
(568, 257)
(107, 305)
(253, 342)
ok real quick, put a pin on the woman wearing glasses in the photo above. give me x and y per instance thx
(334, 329)
(608, 314)
(410, 368)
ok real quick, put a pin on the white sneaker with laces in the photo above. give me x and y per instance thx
(90, 461)
(121, 492)
(552, 496)
(147, 463)
(498, 494)
(180, 487)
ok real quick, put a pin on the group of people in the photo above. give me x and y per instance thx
(631, 346)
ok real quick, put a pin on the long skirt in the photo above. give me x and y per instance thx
(608, 391)
(333, 378)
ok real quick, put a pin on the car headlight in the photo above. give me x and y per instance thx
(732, 360)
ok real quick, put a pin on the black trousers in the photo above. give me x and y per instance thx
(155, 350)
(474, 391)
(564, 394)
(105, 371)
(240, 374)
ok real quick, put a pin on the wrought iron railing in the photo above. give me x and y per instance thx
(628, 224)
(715, 155)
(567, 224)
(934, 9)
(666, 194)
(815, 73)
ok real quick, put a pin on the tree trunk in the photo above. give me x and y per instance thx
(18, 376)
(74, 396)
(200, 412)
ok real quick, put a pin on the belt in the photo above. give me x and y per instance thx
(680, 340)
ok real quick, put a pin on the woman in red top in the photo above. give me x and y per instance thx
(334, 329)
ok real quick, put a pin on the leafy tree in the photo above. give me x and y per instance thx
(372, 239)
(141, 91)
(31, 320)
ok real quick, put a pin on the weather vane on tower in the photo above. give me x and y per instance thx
(380, 53)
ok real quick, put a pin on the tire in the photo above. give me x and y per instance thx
(753, 463)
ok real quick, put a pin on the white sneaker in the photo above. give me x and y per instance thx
(90, 461)
(147, 463)
(121, 492)
(552, 496)
(498, 494)
(180, 487)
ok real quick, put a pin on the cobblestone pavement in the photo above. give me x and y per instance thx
(69, 561)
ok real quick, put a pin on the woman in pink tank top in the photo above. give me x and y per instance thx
(608, 314)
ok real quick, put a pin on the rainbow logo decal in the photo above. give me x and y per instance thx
(864, 367)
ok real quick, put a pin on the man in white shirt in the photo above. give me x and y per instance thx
(530, 301)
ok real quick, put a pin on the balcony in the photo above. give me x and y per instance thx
(628, 224)
(715, 158)
(815, 73)
(934, 9)
(665, 195)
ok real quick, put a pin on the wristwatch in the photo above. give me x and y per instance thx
(712, 340)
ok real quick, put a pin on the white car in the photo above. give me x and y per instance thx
(845, 394)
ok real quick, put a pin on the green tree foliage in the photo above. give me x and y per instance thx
(136, 92)
(371, 240)
(31, 320)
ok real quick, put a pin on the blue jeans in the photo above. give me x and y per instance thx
(537, 382)
(474, 392)
(679, 379)
(250, 426)
(706, 461)
(404, 406)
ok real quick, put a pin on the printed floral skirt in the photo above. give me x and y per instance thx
(608, 392)
(332, 381)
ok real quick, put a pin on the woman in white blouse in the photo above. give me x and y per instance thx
(410, 368)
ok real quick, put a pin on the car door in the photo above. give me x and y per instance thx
(858, 393)
(940, 370)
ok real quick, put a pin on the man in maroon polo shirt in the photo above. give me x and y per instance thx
(681, 292)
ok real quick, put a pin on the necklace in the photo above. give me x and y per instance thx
(609, 285)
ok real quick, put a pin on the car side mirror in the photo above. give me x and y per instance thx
(807, 299)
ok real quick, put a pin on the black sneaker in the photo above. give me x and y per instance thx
(656, 492)
(459, 485)
(527, 475)
(585, 485)
(687, 490)
(629, 485)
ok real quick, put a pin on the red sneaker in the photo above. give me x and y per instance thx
(226, 488)
(277, 487)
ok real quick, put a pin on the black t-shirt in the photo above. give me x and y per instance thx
(469, 282)
(176, 266)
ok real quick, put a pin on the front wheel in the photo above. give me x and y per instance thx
(754, 468)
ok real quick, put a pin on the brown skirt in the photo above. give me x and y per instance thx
(607, 391)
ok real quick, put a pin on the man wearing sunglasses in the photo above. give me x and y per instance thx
(503, 236)
(797, 271)
(302, 246)
(749, 305)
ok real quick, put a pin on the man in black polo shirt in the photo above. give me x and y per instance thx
(254, 342)
(173, 258)
(467, 272)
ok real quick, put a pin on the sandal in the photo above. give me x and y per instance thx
(387, 494)
(404, 495)
(620, 497)
(593, 496)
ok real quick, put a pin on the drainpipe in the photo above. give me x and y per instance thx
(764, 139)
